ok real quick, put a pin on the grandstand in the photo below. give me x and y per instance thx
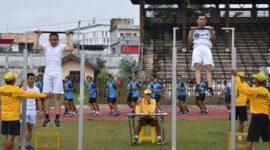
(252, 29)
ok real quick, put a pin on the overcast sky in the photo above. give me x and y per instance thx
(29, 15)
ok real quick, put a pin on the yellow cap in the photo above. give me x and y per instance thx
(147, 91)
(241, 74)
(10, 76)
(260, 76)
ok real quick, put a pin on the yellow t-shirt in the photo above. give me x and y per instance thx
(259, 97)
(144, 107)
(241, 97)
(11, 101)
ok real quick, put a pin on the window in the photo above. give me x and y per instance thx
(102, 33)
(106, 33)
(263, 13)
(75, 76)
(104, 40)
(121, 34)
(134, 34)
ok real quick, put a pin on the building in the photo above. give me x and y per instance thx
(15, 42)
(124, 36)
(96, 34)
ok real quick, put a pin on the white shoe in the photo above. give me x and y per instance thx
(239, 139)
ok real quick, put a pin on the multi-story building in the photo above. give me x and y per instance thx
(15, 42)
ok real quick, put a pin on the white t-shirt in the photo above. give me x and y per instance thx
(31, 102)
(202, 37)
(53, 57)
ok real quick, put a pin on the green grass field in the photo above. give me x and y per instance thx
(192, 134)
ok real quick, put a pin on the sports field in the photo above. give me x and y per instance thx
(102, 133)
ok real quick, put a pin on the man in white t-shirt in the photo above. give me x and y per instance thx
(202, 41)
(31, 112)
(53, 81)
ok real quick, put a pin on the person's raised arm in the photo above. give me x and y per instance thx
(190, 36)
(242, 87)
(36, 46)
(213, 36)
(69, 47)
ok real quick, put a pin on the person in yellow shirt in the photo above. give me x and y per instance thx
(241, 105)
(147, 105)
(259, 108)
(10, 106)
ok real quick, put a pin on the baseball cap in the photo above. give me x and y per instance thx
(147, 91)
(241, 74)
(260, 76)
(10, 76)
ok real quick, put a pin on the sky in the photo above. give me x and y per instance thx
(18, 16)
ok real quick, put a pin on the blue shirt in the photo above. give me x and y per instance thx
(112, 89)
(107, 84)
(249, 83)
(157, 86)
(68, 94)
(203, 86)
(36, 84)
(227, 89)
(150, 86)
(39, 84)
(135, 93)
(181, 85)
(91, 88)
(129, 87)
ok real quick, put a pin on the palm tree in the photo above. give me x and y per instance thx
(126, 64)
(100, 62)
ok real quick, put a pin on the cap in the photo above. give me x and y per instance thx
(147, 91)
(260, 76)
(10, 76)
(241, 74)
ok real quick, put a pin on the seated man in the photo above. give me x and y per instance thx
(147, 105)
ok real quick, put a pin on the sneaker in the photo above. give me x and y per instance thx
(206, 112)
(133, 111)
(210, 91)
(185, 113)
(135, 140)
(46, 122)
(29, 147)
(97, 114)
(93, 113)
(37, 112)
(111, 112)
(19, 148)
(57, 123)
(70, 114)
(180, 112)
(115, 113)
(202, 112)
(198, 88)
(65, 113)
(239, 139)
(160, 142)
(75, 114)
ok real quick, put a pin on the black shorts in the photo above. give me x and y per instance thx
(135, 99)
(241, 113)
(66, 99)
(42, 99)
(200, 97)
(259, 127)
(112, 100)
(149, 121)
(92, 100)
(10, 127)
(157, 98)
(129, 99)
(182, 98)
(228, 99)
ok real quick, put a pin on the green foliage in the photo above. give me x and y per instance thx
(100, 62)
(126, 64)
(102, 73)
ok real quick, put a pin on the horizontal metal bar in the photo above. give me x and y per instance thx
(54, 32)
(228, 28)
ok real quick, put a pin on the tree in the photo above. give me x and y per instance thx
(100, 62)
(126, 64)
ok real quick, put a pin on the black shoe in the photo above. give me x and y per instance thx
(46, 122)
(180, 112)
(56, 123)
(135, 140)
(133, 111)
(210, 91)
(161, 142)
(206, 112)
(202, 112)
(185, 113)
(29, 147)
(19, 148)
(198, 88)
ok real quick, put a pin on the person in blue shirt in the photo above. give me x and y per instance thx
(157, 89)
(227, 93)
(129, 91)
(113, 92)
(92, 90)
(136, 87)
(40, 102)
(181, 99)
(150, 86)
(200, 98)
(69, 94)
(107, 90)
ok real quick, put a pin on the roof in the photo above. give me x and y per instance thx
(19, 37)
(90, 26)
(202, 1)
(6, 41)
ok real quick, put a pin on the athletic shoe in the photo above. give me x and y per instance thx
(97, 114)
(135, 140)
(93, 113)
(160, 142)
(46, 122)
(198, 88)
(57, 123)
(115, 113)
(29, 147)
(202, 112)
(19, 148)
(75, 114)
(65, 113)
(185, 113)
(210, 91)
(133, 111)
(180, 112)
(37, 112)
(239, 139)
(206, 112)
(111, 112)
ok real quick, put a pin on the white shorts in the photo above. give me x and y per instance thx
(202, 55)
(31, 115)
(53, 82)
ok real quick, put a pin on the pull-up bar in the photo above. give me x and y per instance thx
(60, 32)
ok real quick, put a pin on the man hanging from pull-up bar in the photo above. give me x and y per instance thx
(202, 41)
(53, 81)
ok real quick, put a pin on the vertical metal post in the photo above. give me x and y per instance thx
(233, 61)
(81, 98)
(25, 58)
(78, 43)
(174, 56)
